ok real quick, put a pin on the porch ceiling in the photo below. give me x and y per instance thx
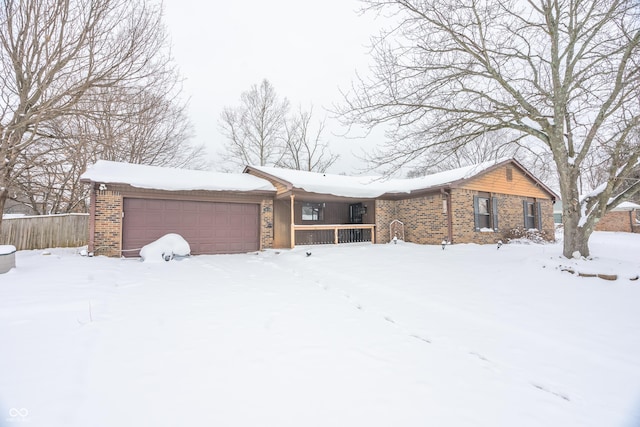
(317, 197)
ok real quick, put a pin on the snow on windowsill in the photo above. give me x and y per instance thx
(487, 230)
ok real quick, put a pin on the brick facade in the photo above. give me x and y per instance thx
(108, 223)
(426, 219)
(266, 224)
(385, 212)
(617, 221)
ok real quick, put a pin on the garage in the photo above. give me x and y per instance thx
(209, 227)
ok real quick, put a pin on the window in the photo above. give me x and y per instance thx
(312, 212)
(485, 212)
(532, 214)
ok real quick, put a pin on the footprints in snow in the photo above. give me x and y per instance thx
(555, 393)
(360, 307)
(418, 337)
(481, 358)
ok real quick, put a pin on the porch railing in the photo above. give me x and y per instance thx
(333, 233)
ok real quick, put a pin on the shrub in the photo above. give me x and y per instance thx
(523, 235)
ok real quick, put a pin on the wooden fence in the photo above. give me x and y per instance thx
(46, 231)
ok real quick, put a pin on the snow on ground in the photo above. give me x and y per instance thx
(354, 335)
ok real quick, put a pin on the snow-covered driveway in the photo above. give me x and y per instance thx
(364, 335)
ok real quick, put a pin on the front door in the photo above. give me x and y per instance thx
(356, 211)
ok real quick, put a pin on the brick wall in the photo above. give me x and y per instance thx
(385, 213)
(108, 223)
(463, 222)
(266, 226)
(510, 216)
(425, 218)
(616, 221)
(462, 219)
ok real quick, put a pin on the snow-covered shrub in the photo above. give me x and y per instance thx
(526, 236)
(165, 248)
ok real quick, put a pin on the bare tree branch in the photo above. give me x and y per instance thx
(563, 75)
(304, 148)
(254, 129)
(57, 60)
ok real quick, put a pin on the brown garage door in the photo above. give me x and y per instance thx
(210, 228)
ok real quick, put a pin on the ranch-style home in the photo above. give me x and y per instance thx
(266, 207)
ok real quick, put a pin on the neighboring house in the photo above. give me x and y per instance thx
(624, 217)
(278, 208)
(621, 218)
(557, 212)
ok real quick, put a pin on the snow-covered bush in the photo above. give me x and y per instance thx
(523, 235)
(165, 248)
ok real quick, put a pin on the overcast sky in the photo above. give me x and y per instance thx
(306, 49)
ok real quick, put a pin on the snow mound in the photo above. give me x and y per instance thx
(165, 248)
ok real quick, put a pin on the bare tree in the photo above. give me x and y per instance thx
(255, 128)
(304, 148)
(260, 131)
(563, 74)
(46, 177)
(55, 55)
(486, 147)
(150, 128)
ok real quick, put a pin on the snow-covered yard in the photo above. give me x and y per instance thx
(364, 335)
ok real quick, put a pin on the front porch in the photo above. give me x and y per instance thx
(333, 233)
(315, 220)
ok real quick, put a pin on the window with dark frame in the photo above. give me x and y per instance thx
(312, 212)
(485, 212)
(532, 214)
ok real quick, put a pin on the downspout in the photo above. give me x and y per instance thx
(92, 219)
(447, 194)
(293, 225)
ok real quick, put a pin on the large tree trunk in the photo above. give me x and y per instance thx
(576, 237)
(577, 229)
(4, 194)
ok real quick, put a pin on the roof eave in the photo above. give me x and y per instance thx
(261, 174)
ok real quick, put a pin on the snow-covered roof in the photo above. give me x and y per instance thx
(369, 186)
(326, 183)
(626, 206)
(172, 179)
(441, 178)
